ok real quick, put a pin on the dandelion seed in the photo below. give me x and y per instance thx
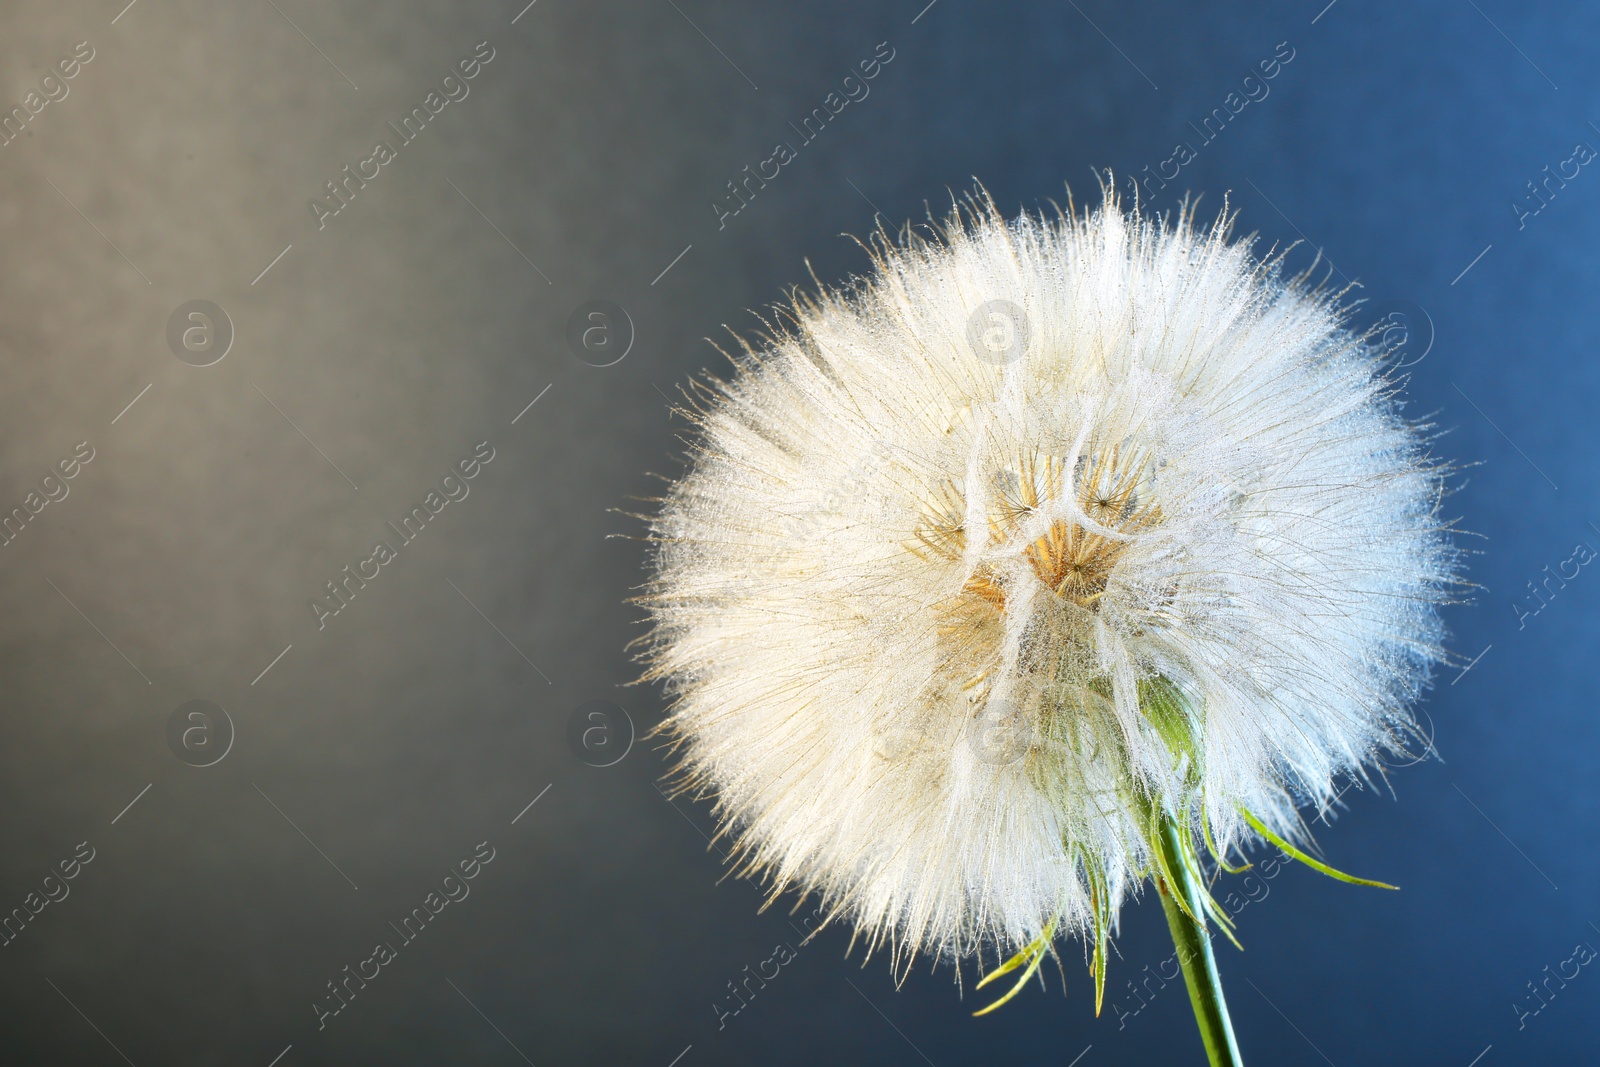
(1135, 552)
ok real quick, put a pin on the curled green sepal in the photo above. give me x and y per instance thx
(1317, 865)
(1211, 846)
(1032, 955)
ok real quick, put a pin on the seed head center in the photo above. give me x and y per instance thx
(1073, 560)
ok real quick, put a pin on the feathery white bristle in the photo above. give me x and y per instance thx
(906, 595)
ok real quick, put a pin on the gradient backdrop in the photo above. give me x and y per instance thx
(355, 760)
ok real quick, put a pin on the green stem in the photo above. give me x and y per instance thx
(1193, 943)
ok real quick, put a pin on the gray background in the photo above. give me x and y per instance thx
(378, 351)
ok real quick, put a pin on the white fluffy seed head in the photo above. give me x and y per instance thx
(1042, 525)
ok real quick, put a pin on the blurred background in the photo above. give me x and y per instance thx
(239, 345)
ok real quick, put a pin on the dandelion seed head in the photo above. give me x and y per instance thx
(1039, 524)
